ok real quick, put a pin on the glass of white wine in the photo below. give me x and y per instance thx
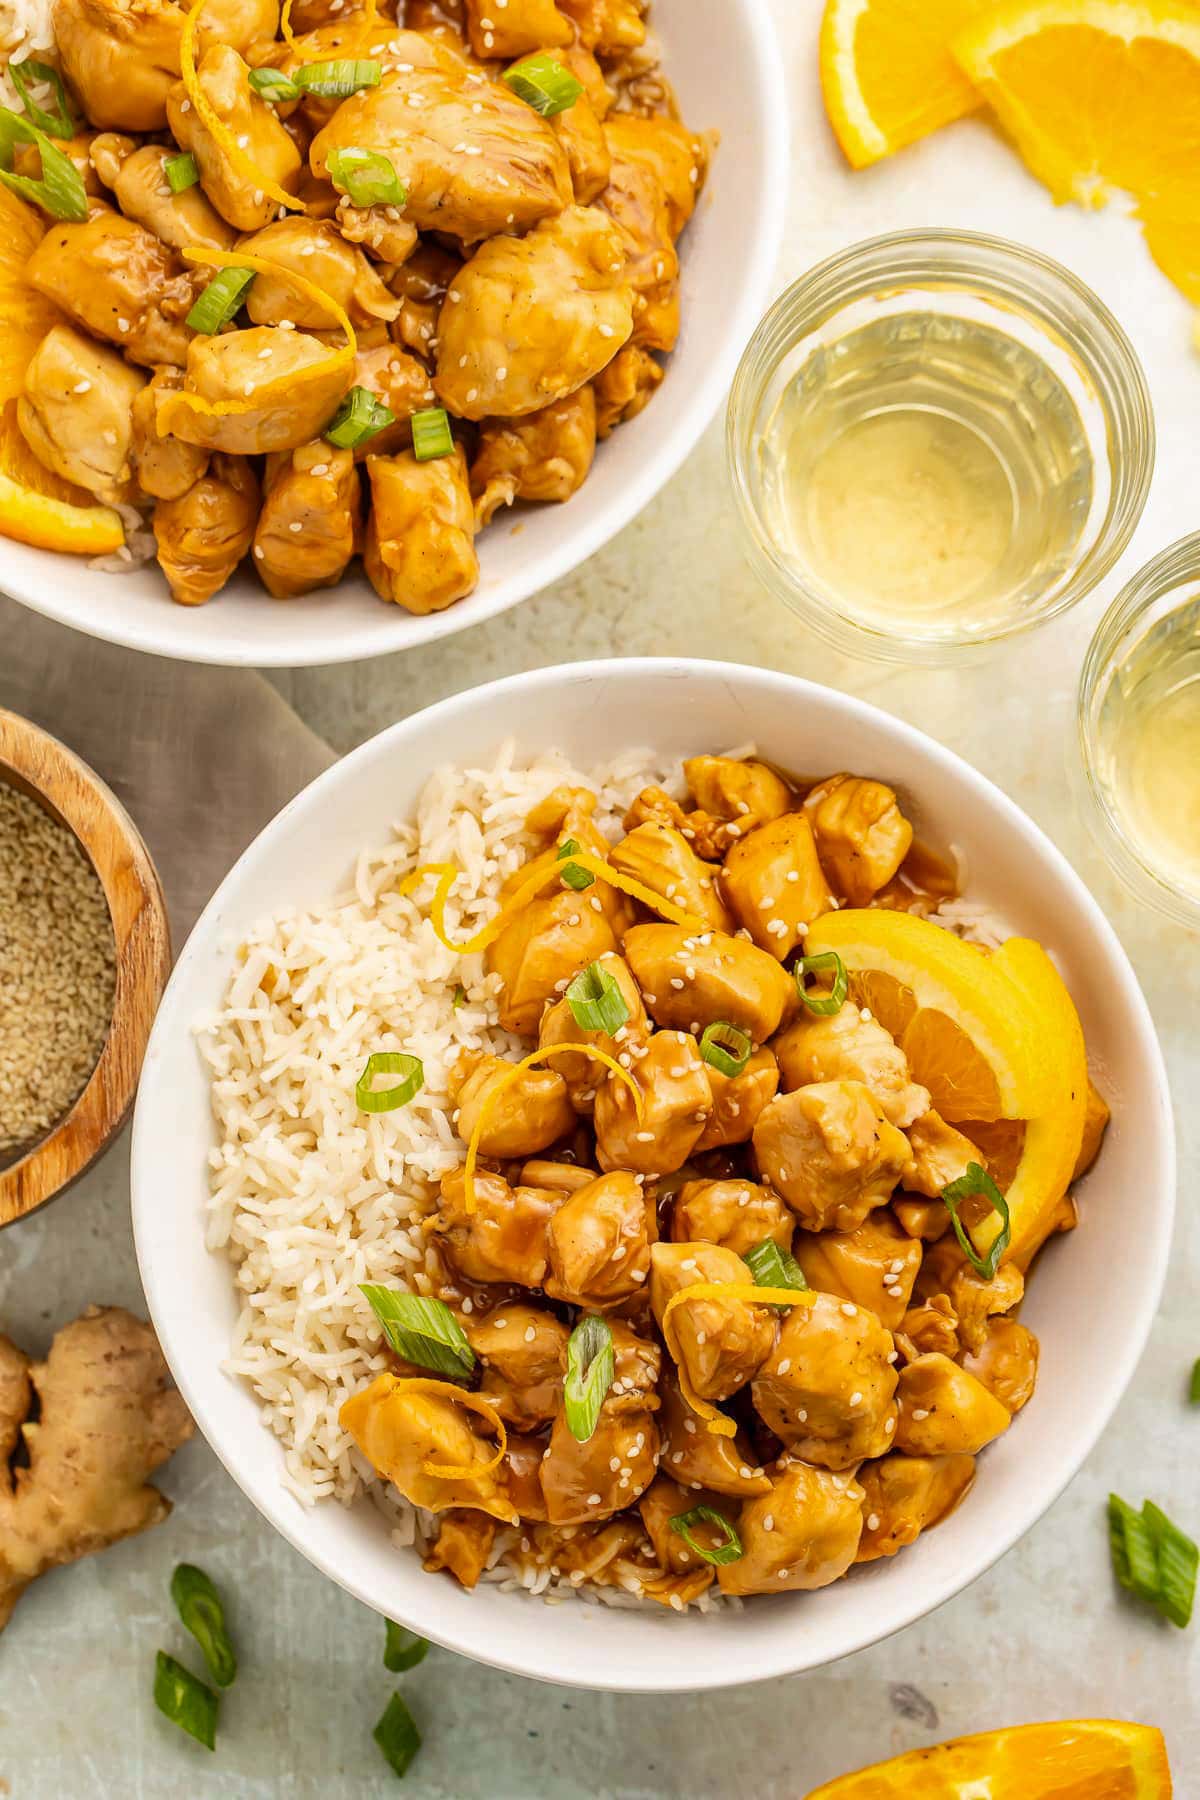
(1139, 729)
(937, 439)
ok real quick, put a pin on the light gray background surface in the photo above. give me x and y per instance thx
(1044, 1635)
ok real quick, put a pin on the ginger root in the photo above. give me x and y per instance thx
(109, 1416)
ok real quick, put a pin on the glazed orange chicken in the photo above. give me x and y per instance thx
(347, 284)
(718, 1302)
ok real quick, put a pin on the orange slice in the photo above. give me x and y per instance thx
(1079, 1759)
(887, 73)
(50, 524)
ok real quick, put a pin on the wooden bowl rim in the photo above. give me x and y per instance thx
(37, 763)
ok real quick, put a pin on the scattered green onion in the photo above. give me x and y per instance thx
(203, 1615)
(431, 434)
(28, 74)
(727, 1552)
(725, 1047)
(773, 1266)
(591, 1365)
(460, 994)
(181, 172)
(397, 1735)
(221, 300)
(1194, 1385)
(411, 1071)
(828, 962)
(596, 1001)
(573, 876)
(978, 1181)
(187, 1702)
(403, 1649)
(360, 416)
(338, 80)
(366, 177)
(543, 83)
(1153, 1558)
(273, 85)
(59, 190)
(421, 1330)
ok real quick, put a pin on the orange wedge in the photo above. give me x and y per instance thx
(1079, 1759)
(51, 524)
(887, 73)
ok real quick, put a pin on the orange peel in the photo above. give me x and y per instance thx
(719, 1423)
(216, 127)
(474, 1403)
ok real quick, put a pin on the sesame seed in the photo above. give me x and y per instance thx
(793, 875)
(677, 1456)
(856, 1399)
(872, 1521)
(689, 1425)
(784, 1366)
(920, 1412)
(766, 903)
(82, 387)
(472, 394)
(850, 1311)
(676, 981)
(593, 1500)
(892, 1356)
(643, 1137)
(890, 1427)
(295, 525)
(501, 374)
(802, 1415)
(783, 1575)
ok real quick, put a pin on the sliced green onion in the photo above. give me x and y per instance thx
(403, 1649)
(1194, 1385)
(366, 177)
(421, 1330)
(431, 434)
(590, 1368)
(543, 83)
(978, 1181)
(338, 80)
(573, 876)
(187, 1702)
(1178, 1561)
(596, 1002)
(411, 1071)
(460, 994)
(221, 300)
(725, 1047)
(1134, 1561)
(28, 74)
(726, 1552)
(397, 1735)
(60, 190)
(773, 1266)
(181, 172)
(203, 1615)
(273, 85)
(828, 962)
(360, 416)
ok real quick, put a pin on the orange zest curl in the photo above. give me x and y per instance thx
(474, 1403)
(285, 25)
(719, 1423)
(216, 127)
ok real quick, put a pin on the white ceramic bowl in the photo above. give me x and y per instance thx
(723, 57)
(1110, 1270)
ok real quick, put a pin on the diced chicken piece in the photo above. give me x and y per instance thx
(311, 519)
(719, 1343)
(925, 1219)
(773, 881)
(75, 412)
(830, 1152)
(675, 157)
(540, 952)
(315, 250)
(945, 1270)
(285, 384)
(735, 1214)
(388, 239)
(862, 836)
(600, 1243)
(400, 1429)
(138, 179)
(906, 1495)
(944, 1411)
(675, 1105)
(121, 57)
(800, 1536)
(738, 1101)
(544, 456)
(697, 1458)
(462, 1546)
(225, 82)
(932, 1325)
(606, 1474)
(661, 858)
(742, 793)
(421, 284)
(940, 1155)
(402, 382)
(524, 1354)
(165, 467)
(203, 536)
(827, 1389)
(522, 1472)
(690, 981)
(420, 548)
(1095, 1124)
(665, 1500)
(638, 207)
(529, 1111)
(584, 1074)
(562, 1177)
(505, 1238)
(116, 280)
(843, 1046)
(515, 29)
(637, 1368)
(1006, 1362)
(565, 815)
(238, 22)
(607, 26)
(625, 387)
(875, 1265)
(580, 129)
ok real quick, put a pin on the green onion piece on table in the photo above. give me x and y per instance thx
(431, 434)
(360, 416)
(273, 85)
(773, 1266)
(828, 962)
(1153, 1558)
(727, 1552)
(421, 1330)
(403, 1649)
(29, 74)
(366, 177)
(187, 1702)
(596, 1001)
(573, 876)
(397, 1735)
(221, 300)
(725, 1047)
(202, 1613)
(182, 172)
(1194, 1384)
(591, 1365)
(543, 83)
(977, 1181)
(411, 1071)
(59, 190)
(338, 80)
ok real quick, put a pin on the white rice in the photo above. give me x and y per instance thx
(25, 30)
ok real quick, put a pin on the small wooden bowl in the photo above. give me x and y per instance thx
(37, 764)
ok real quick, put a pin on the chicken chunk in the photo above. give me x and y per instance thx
(600, 1243)
(830, 1152)
(165, 467)
(538, 954)
(637, 206)
(462, 1546)
(637, 1370)
(675, 157)
(608, 1472)
(282, 389)
(402, 382)
(690, 981)
(1006, 1362)
(544, 456)
(565, 1178)
(310, 521)
(121, 57)
(238, 22)
(675, 1106)
(739, 792)
(925, 1219)
(718, 1343)
(774, 883)
(827, 1390)
(738, 1101)
(523, 1350)
(138, 179)
(388, 238)
(75, 412)
(625, 387)
(930, 1325)
(204, 534)
(225, 82)
(945, 1270)
(940, 1155)
(420, 549)
(800, 1536)
(875, 1265)
(522, 1472)
(421, 284)
(316, 250)
(582, 1073)
(906, 1495)
(607, 26)
(580, 129)
(862, 836)
(661, 858)
(735, 1214)
(400, 1429)
(665, 1500)
(515, 29)
(698, 1458)
(115, 279)
(528, 1113)
(945, 1411)
(843, 1046)
(505, 1238)
(565, 816)
(1095, 1124)
(529, 320)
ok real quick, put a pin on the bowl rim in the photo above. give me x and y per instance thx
(676, 1674)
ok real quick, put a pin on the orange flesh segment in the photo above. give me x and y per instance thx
(887, 72)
